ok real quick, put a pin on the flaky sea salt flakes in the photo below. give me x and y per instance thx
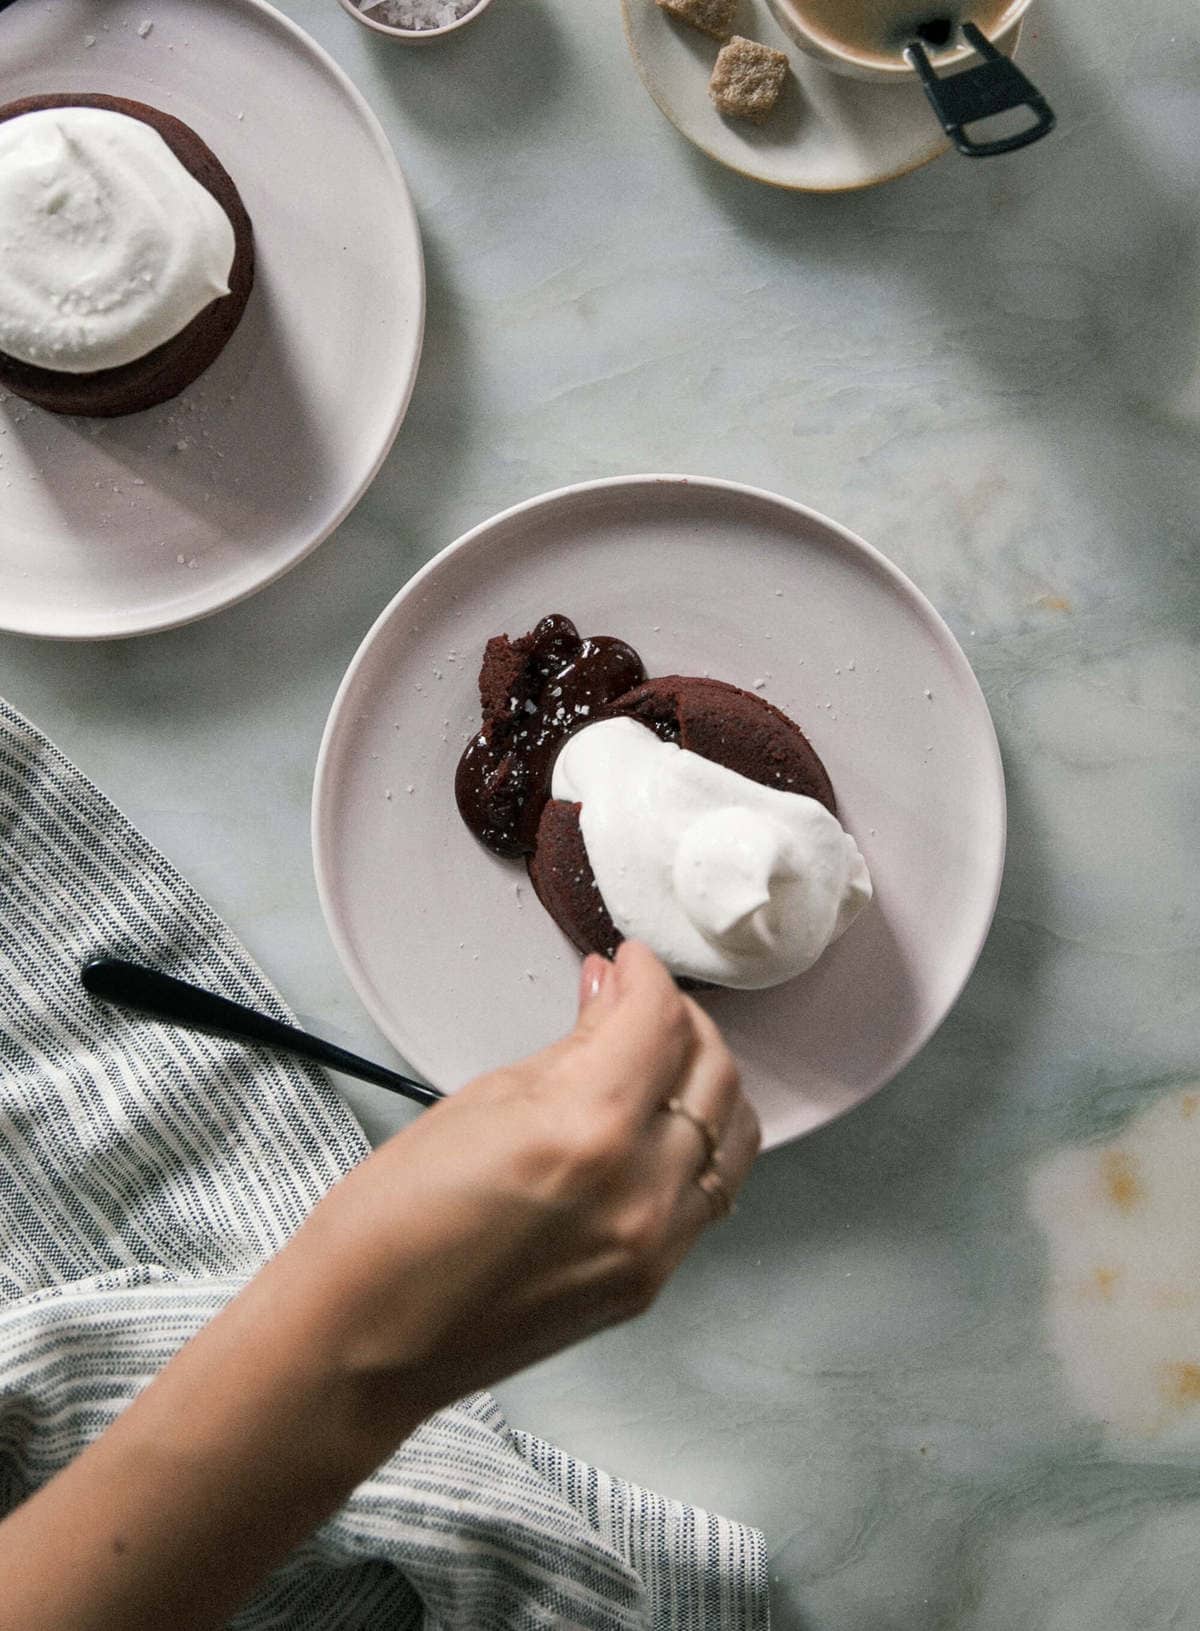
(418, 14)
(144, 28)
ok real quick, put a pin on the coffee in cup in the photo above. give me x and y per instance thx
(868, 38)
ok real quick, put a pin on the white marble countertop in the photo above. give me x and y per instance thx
(949, 1361)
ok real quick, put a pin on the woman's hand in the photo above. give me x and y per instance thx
(538, 1204)
(543, 1201)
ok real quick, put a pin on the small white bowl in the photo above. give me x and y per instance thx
(413, 36)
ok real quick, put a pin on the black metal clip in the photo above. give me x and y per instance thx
(992, 86)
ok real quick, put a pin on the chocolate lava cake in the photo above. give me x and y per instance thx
(169, 368)
(538, 690)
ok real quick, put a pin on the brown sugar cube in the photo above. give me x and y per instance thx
(747, 78)
(713, 17)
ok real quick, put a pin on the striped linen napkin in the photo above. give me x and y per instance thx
(146, 1173)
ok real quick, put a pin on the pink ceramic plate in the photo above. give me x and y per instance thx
(119, 526)
(447, 945)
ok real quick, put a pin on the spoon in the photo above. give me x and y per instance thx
(131, 985)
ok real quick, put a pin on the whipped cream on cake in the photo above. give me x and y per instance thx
(108, 247)
(728, 881)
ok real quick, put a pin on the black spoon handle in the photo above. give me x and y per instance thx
(130, 985)
(994, 85)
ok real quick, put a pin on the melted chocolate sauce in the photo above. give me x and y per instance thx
(559, 683)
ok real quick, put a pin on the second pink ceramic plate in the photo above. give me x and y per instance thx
(447, 945)
(114, 527)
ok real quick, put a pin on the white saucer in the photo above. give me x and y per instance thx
(447, 945)
(828, 133)
(119, 526)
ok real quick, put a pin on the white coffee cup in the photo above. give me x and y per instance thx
(795, 18)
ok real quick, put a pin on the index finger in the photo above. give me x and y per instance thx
(638, 1030)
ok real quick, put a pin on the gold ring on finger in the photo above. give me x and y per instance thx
(719, 1198)
(712, 1143)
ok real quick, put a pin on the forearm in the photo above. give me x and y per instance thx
(541, 1203)
(252, 1435)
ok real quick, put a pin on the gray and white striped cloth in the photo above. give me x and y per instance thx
(145, 1174)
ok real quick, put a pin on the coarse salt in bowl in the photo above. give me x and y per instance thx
(415, 20)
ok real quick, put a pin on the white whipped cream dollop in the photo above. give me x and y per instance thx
(108, 247)
(728, 881)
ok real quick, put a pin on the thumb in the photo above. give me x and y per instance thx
(597, 989)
